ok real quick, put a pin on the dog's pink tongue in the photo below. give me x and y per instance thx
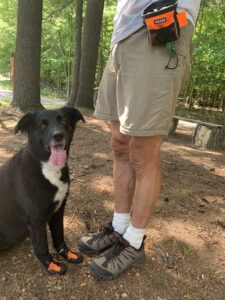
(58, 156)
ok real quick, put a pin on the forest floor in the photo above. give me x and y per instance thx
(185, 245)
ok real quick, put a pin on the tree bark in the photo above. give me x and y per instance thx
(26, 94)
(91, 37)
(77, 54)
(209, 137)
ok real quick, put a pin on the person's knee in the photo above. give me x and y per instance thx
(119, 142)
(120, 148)
(145, 154)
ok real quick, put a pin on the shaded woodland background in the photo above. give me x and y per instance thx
(74, 38)
(61, 50)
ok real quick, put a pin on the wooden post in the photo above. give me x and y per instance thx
(209, 137)
(173, 126)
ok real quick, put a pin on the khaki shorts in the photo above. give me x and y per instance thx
(137, 90)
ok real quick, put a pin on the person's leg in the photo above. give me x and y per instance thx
(137, 181)
(123, 172)
(123, 177)
(136, 175)
(144, 162)
(145, 159)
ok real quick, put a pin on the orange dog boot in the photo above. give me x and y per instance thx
(56, 267)
(71, 256)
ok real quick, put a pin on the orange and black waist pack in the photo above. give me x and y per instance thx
(163, 21)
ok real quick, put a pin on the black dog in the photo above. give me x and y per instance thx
(34, 186)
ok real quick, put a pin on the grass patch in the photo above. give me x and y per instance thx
(202, 114)
(5, 103)
(6, 84)
(52, 93)
(189, 193)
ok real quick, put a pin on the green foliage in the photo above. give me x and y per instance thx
(5, 84)
(207, 80)
(200, 113)
(57, 42)
(8, 10)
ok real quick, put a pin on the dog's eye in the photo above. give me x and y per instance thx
(61, 120)
(44, 124)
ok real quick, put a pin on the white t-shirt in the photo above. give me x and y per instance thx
(128, 17)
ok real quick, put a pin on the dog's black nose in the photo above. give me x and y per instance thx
(57, 136)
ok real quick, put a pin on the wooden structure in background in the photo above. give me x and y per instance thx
(207, 135)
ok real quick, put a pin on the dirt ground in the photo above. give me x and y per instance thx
(185, 245)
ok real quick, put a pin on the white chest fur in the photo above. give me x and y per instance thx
(53, 174)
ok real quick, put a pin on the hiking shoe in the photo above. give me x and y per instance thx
(97, 242)
(118, 259)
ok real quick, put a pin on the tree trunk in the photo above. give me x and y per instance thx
(209, 137)
(77, 53)
(65, 64)
(91, 37)
(26, 94)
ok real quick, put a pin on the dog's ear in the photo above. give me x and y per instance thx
(73, 114)
(25, 123)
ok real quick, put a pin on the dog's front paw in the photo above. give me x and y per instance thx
(70, 256)
(52, 265)
(56, 267)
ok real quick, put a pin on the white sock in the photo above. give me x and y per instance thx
(134, 236)
(120, 222)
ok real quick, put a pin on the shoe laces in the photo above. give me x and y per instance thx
(116, 249)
